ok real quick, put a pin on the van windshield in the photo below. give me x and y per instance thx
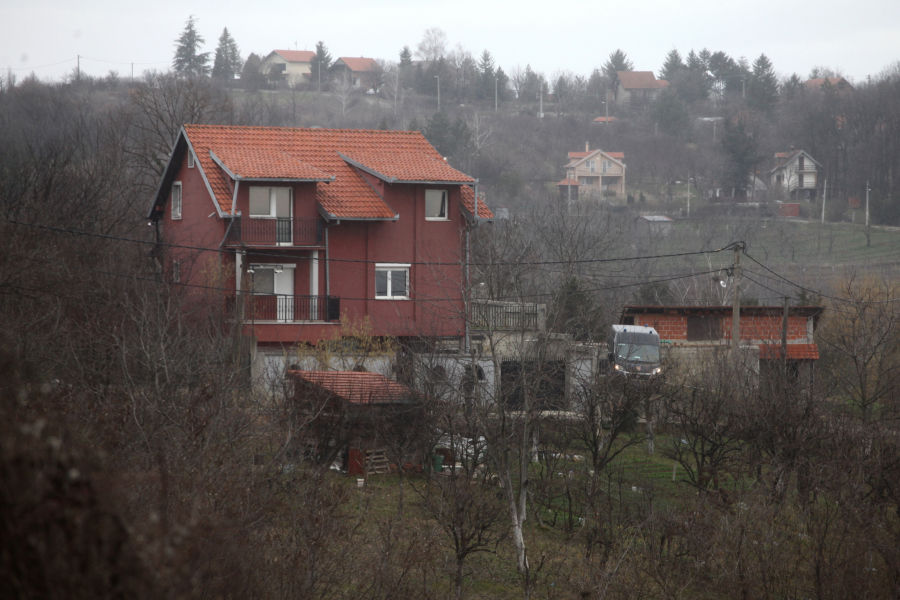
(638, 353)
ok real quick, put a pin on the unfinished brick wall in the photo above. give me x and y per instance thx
(753, 328)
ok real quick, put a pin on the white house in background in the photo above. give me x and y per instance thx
(292, 66)
(797, 173)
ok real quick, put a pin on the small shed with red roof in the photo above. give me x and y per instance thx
(356, 415)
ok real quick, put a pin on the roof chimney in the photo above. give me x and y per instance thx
(587, 146)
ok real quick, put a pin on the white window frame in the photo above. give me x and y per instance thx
(607, 166)
(388, 268)
(446, 205)
(176, 205)
(592, 166)
(272, 201)
(190, 159)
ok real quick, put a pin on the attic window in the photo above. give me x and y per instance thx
(190, 160)
(175, 202)
(436, 205)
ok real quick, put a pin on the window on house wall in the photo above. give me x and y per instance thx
(175, 201)
(392, 281)
(270, 202)
(592, 166)
(436, 205)
(190, 159)
(607, 166)
(702, 329)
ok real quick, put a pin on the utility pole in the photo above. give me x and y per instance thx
(868, 231)
(824, 195)
(689, 197)
(606, 123)
(784, 330)
(78, 74)
(495, 94)
(438, 77)
(736, 305)
(541, 111)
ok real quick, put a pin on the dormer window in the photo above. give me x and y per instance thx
(436, 205)
(270, 202)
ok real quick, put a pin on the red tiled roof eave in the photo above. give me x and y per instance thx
(356, 387)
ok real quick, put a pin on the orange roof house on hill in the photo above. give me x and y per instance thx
(316, 224)
(290, 66)
(637, 87)
(838, 83)
(357, 70)
(598, 172)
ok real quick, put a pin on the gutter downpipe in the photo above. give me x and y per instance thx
(327, 257)
(468, 342)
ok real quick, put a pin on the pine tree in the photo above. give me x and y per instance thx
(187, 60)
(227, 62)
(486, 74)
(672, 67)
(762, 88)
(502, 84)
(252, 77)
(319, 64)
(618, 61)
(405, 57)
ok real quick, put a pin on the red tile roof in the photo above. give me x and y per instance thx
(616, 155)
(267, 163)
(640, 80)
(359, 64)
(353, 387)
(568, 181)
(838, 82)
(794, 352)
(580, 154)
(605, 119)
(296, 55)
(576, 157)
(406, 167)
(468, 201)
(349, 196)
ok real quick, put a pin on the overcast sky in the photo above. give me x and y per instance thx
(859, 38)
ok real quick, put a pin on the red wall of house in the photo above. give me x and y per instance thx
(674, 327)
(436, 295)
(435, 301)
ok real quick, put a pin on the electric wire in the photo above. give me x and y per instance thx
(361, 261)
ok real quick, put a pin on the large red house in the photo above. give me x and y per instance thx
(310, 225)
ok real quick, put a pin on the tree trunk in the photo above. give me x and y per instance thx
(459, 576)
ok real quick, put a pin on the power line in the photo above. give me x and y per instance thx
(819, 293)
(350, 260)
(112, 62)
(231, 290)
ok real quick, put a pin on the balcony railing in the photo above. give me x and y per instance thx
(276, 232)
(506, 316)
(264, 307)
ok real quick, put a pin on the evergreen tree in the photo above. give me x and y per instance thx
(762, 87)
(670, 114)
(694, 62)
(405, 57)
(319, 64)
(741, 152)
(486, 76)
(502, 85)
(792, 88)
(672, 67)
(575, 311)
(252, 77)
(439, 132)
(188, 61)
(413, 125)
(618, 61)
(227, 62)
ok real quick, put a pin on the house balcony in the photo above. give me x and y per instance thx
(281, 231)
(497, 316)
(277, 308)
